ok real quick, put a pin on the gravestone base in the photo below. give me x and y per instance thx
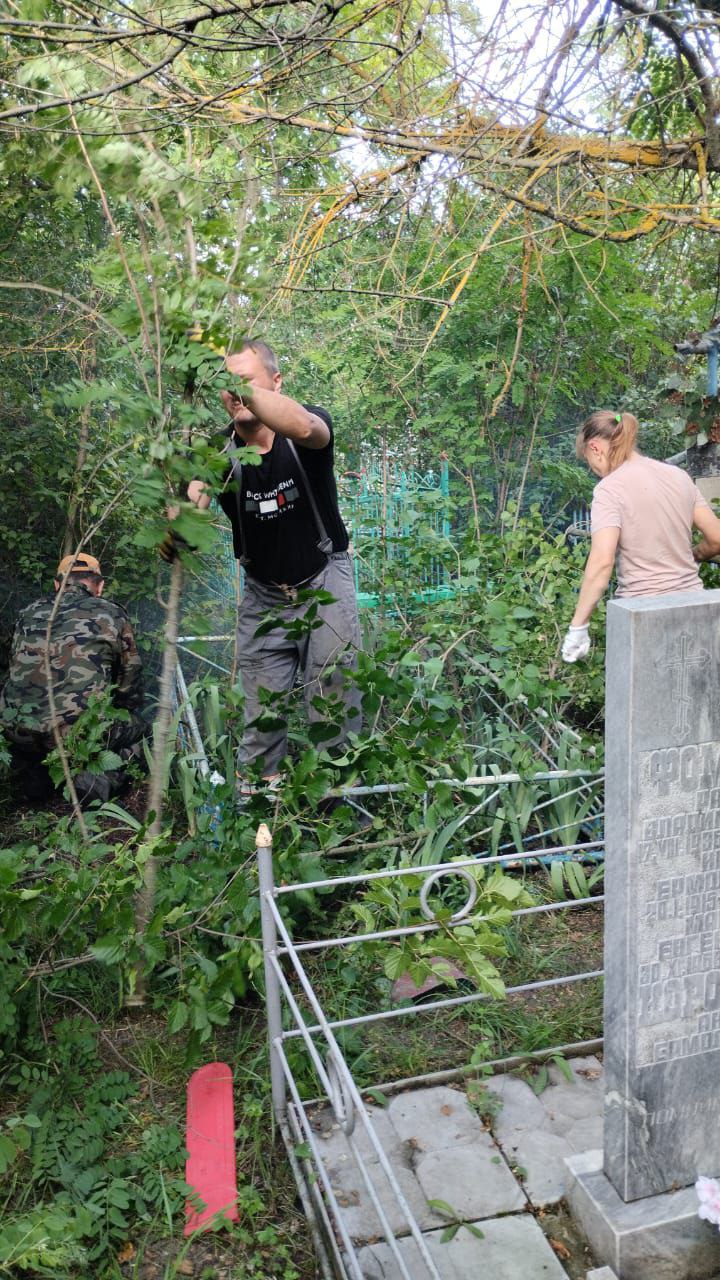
(656, 1238)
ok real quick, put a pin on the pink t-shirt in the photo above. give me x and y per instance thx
(652, 505)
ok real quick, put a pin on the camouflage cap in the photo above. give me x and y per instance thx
(81, 563)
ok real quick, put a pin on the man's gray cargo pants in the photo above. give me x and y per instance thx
(324, 656)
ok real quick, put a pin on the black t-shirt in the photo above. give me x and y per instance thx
(281, 533)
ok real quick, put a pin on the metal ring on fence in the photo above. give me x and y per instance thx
(340, 1100)
(465, 910)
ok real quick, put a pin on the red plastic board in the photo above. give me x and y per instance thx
(210, 1167)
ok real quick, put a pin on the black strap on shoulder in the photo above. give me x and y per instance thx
(325, 542)
(236, 466)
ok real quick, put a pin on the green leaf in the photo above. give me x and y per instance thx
(564, 1067)
(119, 151)
(497, 610)
(106, 761)
(577, 880)
(111, 810)
(178, 1016)
(8, 1152)
(118, 1195)
(540, 1080)
(395, 963)
(556, 879)
(437, 842)
(108, 950)
(442, 1207)
(474, 1231)
(378, 1096)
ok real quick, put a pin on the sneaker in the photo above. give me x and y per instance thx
(246, 791)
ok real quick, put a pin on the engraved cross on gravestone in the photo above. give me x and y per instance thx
(680, 666)
(662, 889)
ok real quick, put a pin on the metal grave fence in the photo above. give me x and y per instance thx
(389, 510)
(289, 986)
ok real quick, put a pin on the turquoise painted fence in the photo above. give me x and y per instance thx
(389, 511)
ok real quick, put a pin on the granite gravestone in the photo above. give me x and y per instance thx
(662, 931)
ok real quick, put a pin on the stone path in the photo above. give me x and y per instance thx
(440, 1149)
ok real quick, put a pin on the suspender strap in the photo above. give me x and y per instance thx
(325, 542)
(236, 465)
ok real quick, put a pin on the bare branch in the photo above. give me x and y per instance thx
(656, 18)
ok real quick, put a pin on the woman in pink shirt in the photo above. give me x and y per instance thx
(641, 520)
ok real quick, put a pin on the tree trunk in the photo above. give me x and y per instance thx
(145, 902)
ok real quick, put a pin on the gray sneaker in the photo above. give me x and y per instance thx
(245, 791)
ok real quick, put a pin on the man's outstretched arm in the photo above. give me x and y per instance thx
(282, 414)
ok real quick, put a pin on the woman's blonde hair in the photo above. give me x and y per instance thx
(620, 429)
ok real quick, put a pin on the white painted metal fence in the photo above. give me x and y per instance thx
(288, 985)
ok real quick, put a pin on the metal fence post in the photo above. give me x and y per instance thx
(263, 844)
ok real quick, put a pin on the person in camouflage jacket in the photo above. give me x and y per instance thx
(91, 647)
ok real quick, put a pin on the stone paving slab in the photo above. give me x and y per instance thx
(334, 1142)
(359, 1215)
(471, 1176)
(565, 1103)
(520, 1110)
(539, 1156)
(434, 1119)
(511, 1249)
(476, 1182)
(439, 1149)
(537, 1132)
(586, 1135)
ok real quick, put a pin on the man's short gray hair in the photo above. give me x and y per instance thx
(266, 353)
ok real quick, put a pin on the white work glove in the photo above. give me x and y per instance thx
(576, 644)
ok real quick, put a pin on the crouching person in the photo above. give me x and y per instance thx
(82, 645)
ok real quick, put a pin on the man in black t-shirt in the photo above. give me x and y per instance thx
(289, 536)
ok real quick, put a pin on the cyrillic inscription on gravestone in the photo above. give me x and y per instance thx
(678, 925)
(662, 999)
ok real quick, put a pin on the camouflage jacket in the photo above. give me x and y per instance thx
(91, 646)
